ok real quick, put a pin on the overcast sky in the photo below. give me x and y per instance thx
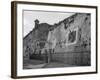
(43, 17)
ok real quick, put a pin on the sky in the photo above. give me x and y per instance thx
(43, 16)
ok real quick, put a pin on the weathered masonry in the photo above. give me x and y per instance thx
(69, 40)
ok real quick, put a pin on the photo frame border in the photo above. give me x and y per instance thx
(14, 37)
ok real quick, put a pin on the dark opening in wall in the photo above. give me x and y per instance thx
(72, 37)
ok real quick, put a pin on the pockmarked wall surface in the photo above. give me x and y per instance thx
(69, 40)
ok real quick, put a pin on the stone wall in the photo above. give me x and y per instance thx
(73, 58)
(78, 52)
(56, 37)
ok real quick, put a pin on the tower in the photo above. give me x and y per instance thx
(36, 23)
